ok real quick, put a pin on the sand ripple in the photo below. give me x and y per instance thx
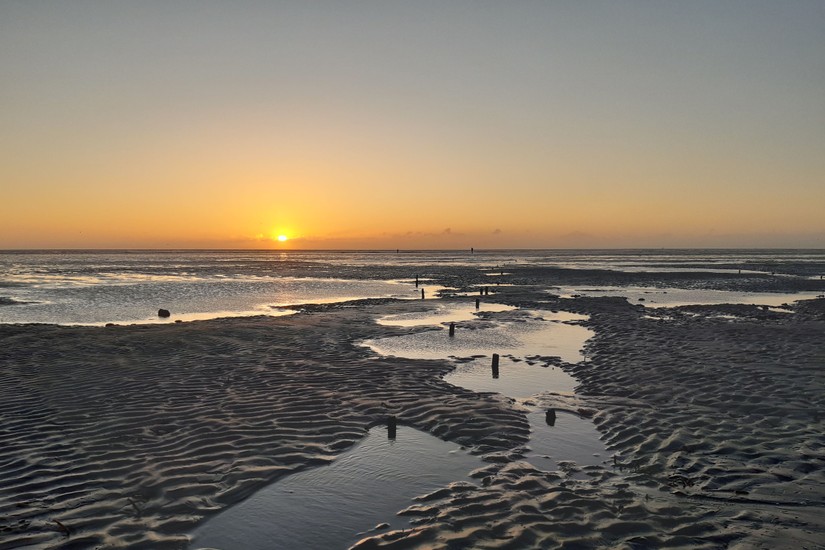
(717, 425)
(128, 436)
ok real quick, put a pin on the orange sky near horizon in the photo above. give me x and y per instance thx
(385, 125)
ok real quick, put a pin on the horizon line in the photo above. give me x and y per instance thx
(403, 250)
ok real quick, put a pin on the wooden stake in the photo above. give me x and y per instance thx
(391, 426)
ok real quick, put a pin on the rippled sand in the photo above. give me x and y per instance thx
(717, 429)
(130, 436)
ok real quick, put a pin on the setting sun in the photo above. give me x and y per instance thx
(288, 149)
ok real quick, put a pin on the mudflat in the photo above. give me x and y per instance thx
(130, 436)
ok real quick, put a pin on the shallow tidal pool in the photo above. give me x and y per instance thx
(539, 334)
(334, 506)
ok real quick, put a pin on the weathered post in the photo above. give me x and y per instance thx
(486, 291)
(391, 426)
(422, 293)
(495, 365)
(550, 417)
(416, 281)
(478, 302)
(452, 329)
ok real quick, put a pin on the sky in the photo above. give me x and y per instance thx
(412, 125)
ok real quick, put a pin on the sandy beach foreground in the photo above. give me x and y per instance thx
(130, 436)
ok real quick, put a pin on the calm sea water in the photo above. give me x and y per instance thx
(95, 287)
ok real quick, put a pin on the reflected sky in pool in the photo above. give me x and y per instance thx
(527, 337)
(444, 313)
(333, 506)
(672, 297)
(517, 378)
(570, 438)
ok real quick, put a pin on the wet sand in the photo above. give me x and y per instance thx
(130, 436)
(716, 426)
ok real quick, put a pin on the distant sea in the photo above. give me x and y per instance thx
(129, 286)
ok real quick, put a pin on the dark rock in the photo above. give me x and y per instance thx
(163, 313)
